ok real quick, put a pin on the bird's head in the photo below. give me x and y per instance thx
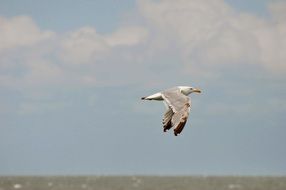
(186, 90)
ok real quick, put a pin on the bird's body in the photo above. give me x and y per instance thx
(178, 106)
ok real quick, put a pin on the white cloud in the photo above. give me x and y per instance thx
(176, 38)
(210, 33)
(52, 59)
(200, 35)
(271, 38)
(278, 10)
(20, 31)
(188, 21)
(126, 36)
(85, 44)
(39, 65)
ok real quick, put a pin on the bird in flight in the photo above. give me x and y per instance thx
(178, 106)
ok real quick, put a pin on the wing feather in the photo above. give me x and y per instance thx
(178, 112)
(167, 124)
(175, 99)
(180, 118)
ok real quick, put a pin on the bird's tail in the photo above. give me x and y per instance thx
(157, 96)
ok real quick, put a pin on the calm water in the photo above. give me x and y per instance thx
(142, 183)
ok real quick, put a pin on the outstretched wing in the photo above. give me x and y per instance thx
(167, 124)
(180, 118)
(180, 106)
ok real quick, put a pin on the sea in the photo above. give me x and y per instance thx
(142, 182)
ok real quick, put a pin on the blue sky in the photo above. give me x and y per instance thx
(72, 74)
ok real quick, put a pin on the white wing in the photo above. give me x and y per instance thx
(180, 106)
(175, 99)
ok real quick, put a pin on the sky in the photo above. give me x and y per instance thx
(72, 74)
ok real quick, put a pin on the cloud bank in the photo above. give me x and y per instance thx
(202, 39)
(211, 33)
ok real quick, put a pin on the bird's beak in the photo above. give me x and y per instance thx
(197, 90)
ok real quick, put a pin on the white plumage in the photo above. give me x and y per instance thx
(178, 106)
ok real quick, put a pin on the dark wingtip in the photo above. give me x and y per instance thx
(143, 98)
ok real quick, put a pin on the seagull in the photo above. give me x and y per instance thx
(178, 106)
